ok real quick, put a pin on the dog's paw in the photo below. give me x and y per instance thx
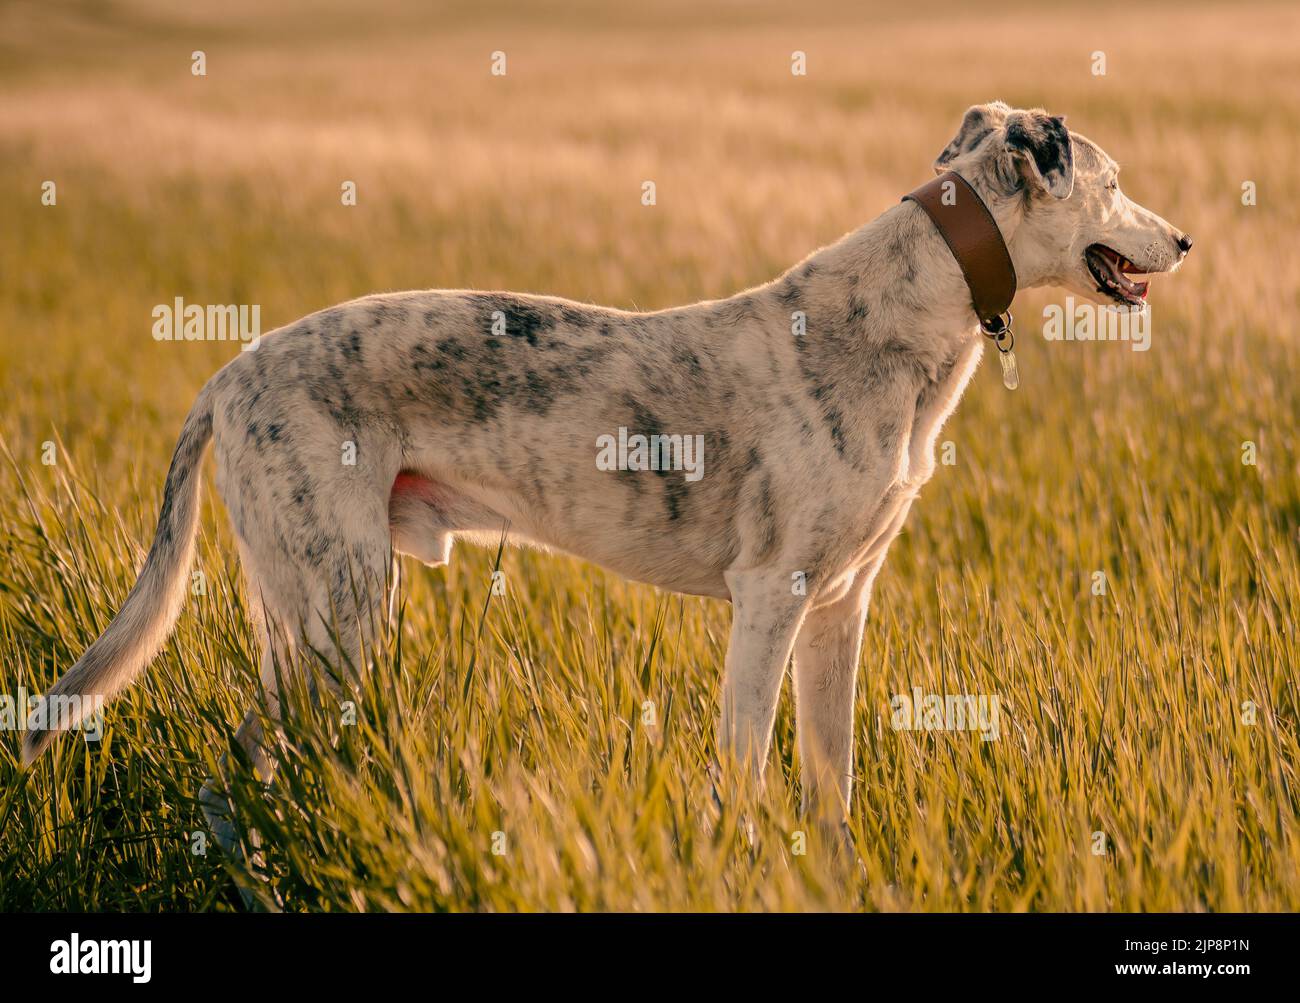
(216, 812)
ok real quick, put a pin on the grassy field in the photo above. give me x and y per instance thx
(521, 714)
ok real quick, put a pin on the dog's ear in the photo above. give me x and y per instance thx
(1040, 143)
(977, 123)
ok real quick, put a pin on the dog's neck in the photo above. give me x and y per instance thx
(898, 286)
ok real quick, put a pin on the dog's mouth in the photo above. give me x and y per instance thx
(1111, 270)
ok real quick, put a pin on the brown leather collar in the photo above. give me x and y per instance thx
(971, 233)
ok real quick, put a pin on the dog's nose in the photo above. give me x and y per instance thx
(1184, 243)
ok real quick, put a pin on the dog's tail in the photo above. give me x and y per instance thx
(130, 642)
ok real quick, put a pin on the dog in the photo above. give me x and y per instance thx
(402, 422)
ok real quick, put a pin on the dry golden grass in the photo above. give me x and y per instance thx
(1123, 713)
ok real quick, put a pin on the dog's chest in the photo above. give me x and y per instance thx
(935, 402)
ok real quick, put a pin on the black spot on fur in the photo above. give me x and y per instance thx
(644, 422)
(769, 533)
(687, 359)
(573, 316)
(857, 312)
(539, 397)
(736, 311)
(317, 546)
(976, 137)
(835, 421)
(451, 348)
(422, 359)
(523, 319)
(887, 436)
(1047, 141)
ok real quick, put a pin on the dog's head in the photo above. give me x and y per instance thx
(1076, 228)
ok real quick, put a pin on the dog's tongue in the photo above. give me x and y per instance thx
(1124, 267)
(1127, 267)
(1120, 267)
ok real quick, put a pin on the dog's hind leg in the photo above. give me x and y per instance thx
(215, 804)
(319, 587)
(218, 809)
(335, 618)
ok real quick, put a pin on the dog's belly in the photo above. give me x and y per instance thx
(427, 512)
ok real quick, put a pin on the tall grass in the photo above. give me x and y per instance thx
(517, 721)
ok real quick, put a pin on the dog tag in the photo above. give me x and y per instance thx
(1004, 339)
(1010, 374)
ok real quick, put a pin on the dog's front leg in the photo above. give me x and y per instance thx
(765, 619)
(825, 673)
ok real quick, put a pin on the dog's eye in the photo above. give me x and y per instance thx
(1112, 185)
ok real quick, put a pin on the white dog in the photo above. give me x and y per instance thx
(402, 422)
